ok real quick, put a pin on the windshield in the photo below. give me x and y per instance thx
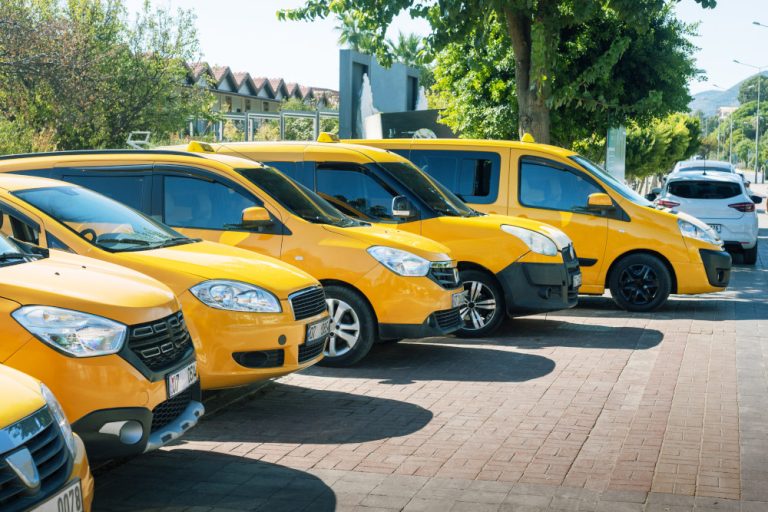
(701, 168)
(102, 221)
(296, 198)
(11, 253)
(431, 192)
(611, 181)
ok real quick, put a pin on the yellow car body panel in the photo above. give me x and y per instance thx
(22, 398)
(184, 266)
(601, 239)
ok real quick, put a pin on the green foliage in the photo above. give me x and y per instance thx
(84, 71)
(744, 121)
(748, 89)
(654, 147)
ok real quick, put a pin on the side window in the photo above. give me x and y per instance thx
(356, 193)
(55, 243)
(552, 187)
(295, 171)
(197, 203)
(128, 190)
(473, 175)
(19, 227)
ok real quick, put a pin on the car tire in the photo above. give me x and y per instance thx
(353, 327)
(750, 255)
(640, 283)
(482, 291)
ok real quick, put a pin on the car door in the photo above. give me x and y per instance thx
(555, 193)
(204, 205)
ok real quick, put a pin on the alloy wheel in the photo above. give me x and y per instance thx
(345, 328)
(639, 284)
(479, 305)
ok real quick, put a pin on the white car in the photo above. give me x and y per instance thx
(721, 200)
(707, 166)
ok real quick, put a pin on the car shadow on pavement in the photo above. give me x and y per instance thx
(441, 359)
(183, 478)
(297, 414)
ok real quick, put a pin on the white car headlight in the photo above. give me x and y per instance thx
(400, 262)
(536, 242)
(236, 296)
(698, 231)
(59, 417)
(73, 332)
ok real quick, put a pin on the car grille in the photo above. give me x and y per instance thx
(162, 344)
(50, 455)
(572, 267)
(260, 358)
(308, 353)
(308, 302)
(171, 409)
(445, 274)
(448, 320)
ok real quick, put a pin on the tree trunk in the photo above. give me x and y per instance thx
(533, 113)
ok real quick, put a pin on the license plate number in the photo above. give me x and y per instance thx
(69, 499)
(577, 280)
(716, 227)
(458, 299)
(182, 379)
(317, 332)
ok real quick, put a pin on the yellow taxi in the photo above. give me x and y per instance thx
(110, 342)
(625, 244)
(379, 284)
(43, 465)
(251, 317)
(508, 266)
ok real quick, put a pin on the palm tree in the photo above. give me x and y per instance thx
(353, 36)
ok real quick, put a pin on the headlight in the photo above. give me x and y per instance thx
(78, 334)
(698, 231)
(400, 262)
(536, 242)
(236, 296)
(559, 237)
(59, 417)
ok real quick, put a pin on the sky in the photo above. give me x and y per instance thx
(246, 36)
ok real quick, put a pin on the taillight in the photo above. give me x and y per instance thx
(743, 207)
(666, 204)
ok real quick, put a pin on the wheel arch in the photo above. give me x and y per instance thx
(344, 284)
(649, 252)
(471, 265)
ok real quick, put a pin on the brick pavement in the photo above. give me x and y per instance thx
(591, 409)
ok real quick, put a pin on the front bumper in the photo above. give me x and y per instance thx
(439, 323)
(717, 265)
(129, 431)
(82, 470)
(538, 287)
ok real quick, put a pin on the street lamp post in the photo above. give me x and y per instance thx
(760, 70)
(730, 132)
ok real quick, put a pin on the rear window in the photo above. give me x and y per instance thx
(704, 189)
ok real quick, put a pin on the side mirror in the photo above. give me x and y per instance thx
(653, 194)
(599, 202)
(256, 215)
(756, 199)
(402, 207)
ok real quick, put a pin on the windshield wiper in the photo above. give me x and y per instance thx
(6, 256)
(135, 241)
(180, 240)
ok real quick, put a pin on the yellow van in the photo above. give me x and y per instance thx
(508, 266)
(43, 465)
(250, 317)
(379, 284)
(642, 254)
(110, 342)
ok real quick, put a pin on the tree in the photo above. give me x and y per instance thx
(748, 88)
(537, 30)
(352, 35)
(86, 72)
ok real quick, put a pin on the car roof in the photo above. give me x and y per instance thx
(700, 176)
(371, 153)
(703, 163)
(488, 143)
(14, 182)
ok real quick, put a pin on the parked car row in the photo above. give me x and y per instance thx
(134, 280)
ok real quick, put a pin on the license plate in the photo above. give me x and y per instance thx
(69, 499)
(317, 332)
(182, 379)
(577, 280)
(458, 299)
(716, 227)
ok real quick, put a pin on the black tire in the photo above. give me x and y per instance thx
(353, 309)
(640, 282)
(480, 321)
(750, 255)
(392, 340)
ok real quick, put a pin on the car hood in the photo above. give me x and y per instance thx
(376, 235)
(92, 286)
(494, 222)
(184, 266)
(26, 394)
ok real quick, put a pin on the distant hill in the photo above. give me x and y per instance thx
(709, 101)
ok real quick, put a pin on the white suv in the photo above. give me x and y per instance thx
(721, 200)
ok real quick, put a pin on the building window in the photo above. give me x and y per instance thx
(265, 106)
(227, 103)
(247, 105)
